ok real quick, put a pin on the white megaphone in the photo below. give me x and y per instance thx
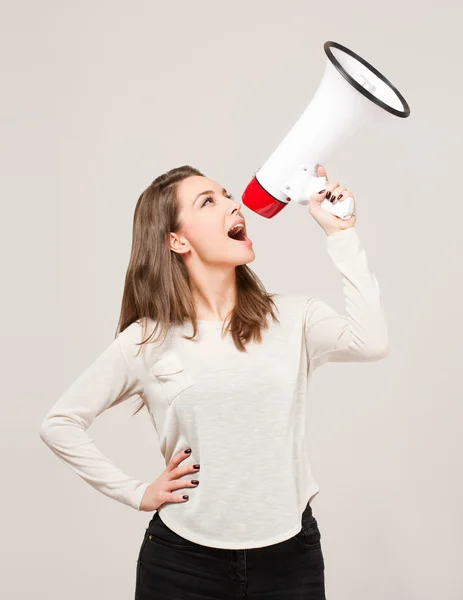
(351, 93)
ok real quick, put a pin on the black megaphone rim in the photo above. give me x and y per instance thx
(398, 113)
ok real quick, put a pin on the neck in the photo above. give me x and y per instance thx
(214, 294)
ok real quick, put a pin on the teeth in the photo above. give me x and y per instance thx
(236, 228)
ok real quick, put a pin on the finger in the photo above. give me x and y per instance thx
(177, 459)
(321, 172)
(342, 196)
(170, 497)
(176, 484)
(183, 470)
(329, 188)
(337, 194)
(318, 197)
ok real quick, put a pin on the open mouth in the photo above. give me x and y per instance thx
(237, 233)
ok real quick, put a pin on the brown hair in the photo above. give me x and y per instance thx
(157, 280)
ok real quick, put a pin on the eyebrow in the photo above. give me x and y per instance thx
(224, 192)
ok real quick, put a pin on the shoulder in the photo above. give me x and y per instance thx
(136, 332)
(131, 332)
(138, 352)
(291, 306)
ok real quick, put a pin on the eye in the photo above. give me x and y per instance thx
(231, 196)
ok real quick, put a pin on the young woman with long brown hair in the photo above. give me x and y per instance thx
(222, 368)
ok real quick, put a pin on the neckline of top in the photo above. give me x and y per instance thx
(209, 323)
(202, 323)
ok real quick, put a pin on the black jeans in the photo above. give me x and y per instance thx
(170, 567)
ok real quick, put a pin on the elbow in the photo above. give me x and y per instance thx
(44, 432)
(47, 430)
(376, 352)
(57, 427)
(376, 345)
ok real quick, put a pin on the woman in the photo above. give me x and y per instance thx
(225, 389)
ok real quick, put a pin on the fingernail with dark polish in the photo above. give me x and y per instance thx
(339, 196)
(196, 466)
(321, 191)
(185, 497)
(188, 450)
(195, 481)
(328, 194)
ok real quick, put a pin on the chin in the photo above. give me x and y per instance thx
(250, 260)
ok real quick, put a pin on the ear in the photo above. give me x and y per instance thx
(177, 244)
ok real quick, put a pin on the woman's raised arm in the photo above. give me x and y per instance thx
(361, 333)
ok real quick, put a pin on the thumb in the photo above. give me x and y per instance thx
(321, 172)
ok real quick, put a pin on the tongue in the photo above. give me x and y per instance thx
(241, 238)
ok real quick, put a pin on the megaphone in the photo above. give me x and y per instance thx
(351, 93)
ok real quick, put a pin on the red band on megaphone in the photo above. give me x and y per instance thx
(260, 201)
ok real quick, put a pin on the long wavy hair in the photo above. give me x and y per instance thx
(157, 281)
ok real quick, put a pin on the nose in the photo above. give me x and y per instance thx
(236, 207)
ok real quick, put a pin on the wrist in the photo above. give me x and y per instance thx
(330, 232)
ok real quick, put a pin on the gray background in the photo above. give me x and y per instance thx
(97, 99)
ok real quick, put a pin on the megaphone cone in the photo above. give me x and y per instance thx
(351, 93)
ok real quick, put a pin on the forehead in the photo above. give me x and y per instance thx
(190, 187)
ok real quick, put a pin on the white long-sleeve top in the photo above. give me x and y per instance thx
(244, 414)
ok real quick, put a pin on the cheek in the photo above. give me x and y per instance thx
(208, 233)
(207, 238)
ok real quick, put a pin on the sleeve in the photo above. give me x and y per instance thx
(359, 335)
(108, 381)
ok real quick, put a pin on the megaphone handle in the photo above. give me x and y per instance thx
(343, 209)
